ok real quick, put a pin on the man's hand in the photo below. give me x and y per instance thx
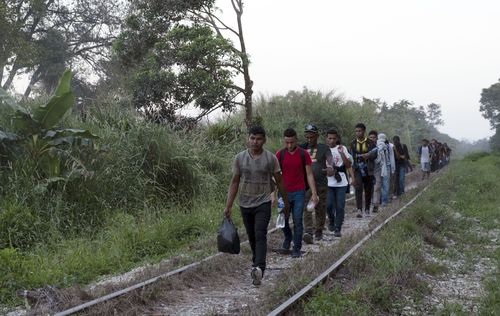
(286, 209)
(330, 172)
(227, 212)
(315, 199)
(353, 182)
(273, 200)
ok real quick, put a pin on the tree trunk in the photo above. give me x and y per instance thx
(34, 79)
(10, 78)
(248, 91)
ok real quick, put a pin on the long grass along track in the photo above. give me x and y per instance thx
(289, 303)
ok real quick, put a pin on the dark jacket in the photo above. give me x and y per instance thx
(400, 150)
(370, 162)
(319, 158)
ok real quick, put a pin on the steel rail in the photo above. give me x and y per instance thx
(335, 266)
(131, 288)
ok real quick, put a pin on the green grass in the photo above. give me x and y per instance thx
(142, 192)
(383, 275)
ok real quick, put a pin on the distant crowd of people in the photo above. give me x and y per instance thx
(311, 181)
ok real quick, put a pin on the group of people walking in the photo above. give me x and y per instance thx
(433, 156)
(312, 180)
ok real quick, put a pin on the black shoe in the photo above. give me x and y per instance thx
(360, 214)
(307, 238)
(318, 235)
(337, 233)
(256, 276)
(296, 254)
(331, 228)
(375, 209)
(286, 245)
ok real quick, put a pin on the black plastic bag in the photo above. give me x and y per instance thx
(227, 238)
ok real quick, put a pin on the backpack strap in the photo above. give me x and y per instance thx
(282, 156)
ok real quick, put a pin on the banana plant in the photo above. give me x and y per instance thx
(38, 133)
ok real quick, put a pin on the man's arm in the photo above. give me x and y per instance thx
(345, 160)
(281, 188)
(329, 164)
(312, 183)
(231, 194)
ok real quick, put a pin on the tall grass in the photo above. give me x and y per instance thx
(385, 275)
(141, 192)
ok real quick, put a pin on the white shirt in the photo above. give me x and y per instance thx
(337, 160)
(425, 154)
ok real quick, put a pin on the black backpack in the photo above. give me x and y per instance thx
(302, 158)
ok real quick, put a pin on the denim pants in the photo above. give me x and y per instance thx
(296, 200)
(335, 206)
(401, 180)
(256, 220)
(385, 189)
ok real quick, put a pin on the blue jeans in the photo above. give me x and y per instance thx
(386, 181)
(401, 180)
(296, 200)
(335, 206)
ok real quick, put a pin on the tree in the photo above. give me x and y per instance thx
(42, 37)
(176, 56)
(208, 15)
(434, 114)
(490, 104)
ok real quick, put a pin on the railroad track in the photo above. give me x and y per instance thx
(150, 281)
(300, 295)
(277, 311)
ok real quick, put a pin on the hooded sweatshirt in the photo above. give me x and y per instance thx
(383, 160)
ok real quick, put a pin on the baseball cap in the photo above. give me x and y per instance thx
(311, 128)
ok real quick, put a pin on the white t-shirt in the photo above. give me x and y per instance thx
(425, 154)
(337, 159)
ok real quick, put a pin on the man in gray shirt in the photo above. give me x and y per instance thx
(253, 173)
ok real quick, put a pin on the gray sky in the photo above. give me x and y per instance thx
(441, 51)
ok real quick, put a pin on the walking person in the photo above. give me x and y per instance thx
(434, 148)
(392, 157)
(321, 156)
(361, 150)
(402, 156)
(296, 170)
(253, 170)
(337, 183)
(425, 154)
(382, 171)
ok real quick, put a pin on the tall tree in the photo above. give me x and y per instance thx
(434, 114)
(490, 104)
(176, 59)
(209, 16)
(42, 37)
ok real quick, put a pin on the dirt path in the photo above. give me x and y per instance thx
(226, 289)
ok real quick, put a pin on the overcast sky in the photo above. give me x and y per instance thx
(441, 51)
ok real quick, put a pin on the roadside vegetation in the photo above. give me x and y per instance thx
(451, 229)
(134, 191)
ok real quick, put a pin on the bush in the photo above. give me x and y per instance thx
(20, 226)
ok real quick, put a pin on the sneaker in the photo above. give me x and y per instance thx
(375, 209)
(296, 254)
(318, 235)
(331, 228)
(308, 239)
(360, 213)
(337, 233)
(256, 276)
(286, 244)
